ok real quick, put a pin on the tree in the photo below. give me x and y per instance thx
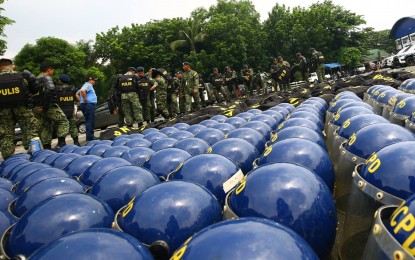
(4, 21)
(350, 57)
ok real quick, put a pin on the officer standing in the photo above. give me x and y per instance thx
(283, 73)
(317, 62)
(301, 71)
(127, 86)
(190, 84)
(202, 88)
(247, 75)
(16, 107)
(273, 72)
(231, 80)
(48, 111)
(216, 79)
(177, 81)
(88, 99)
(145, 86)
(172, 91)
(161, 93)
(66, 100)
(259, 84)
(152, 104)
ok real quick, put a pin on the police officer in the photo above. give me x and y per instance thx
(66, 100)
(114, 102)
(152, 104)
(202, 88)
(161, 92)
(273, 72)
(247, 76)
(301, 68)
(216, 79)
(172, 91)
(146, 85)
(230, 81)
(177, 82)
(127, 85)
(317, 63)
(88, 99)
(47, 110)
(283, 73)
(190, 85)
(15, 106)
(259, 84)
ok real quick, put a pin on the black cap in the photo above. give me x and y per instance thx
(132, 68)
(140, 69)
(64, 78)
(91, 78)
(186, 63)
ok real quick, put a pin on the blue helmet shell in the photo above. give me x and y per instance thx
(137, 156)
(78, 166)
(39, 175)
(194, 129)
(180, 135)
(165, 161)
(194, 146)
(138, 142)
(238, 121)
(250, 135)
(163, 144)
(224, 127)
(181, 126)
(210, 136)
(96, 170)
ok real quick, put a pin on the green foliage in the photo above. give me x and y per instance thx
(350, 57)
(4, 21)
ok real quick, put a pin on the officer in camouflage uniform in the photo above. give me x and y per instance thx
(66, 100)
(273, 72)
(216, 79)
(230, 81)
(161, 89)
(317, 62)
(15, 106)
(172, 91)
(190, 85)
(177, 81)
(127, 85)
(247, 76)
(259, 84)
(300, 67)
(202, 89)
(152, 104)
(145, 86)
(47, 111)
(283, 69)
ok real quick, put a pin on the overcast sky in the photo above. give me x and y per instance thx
(75, 20)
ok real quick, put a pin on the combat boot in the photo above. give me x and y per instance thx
(61, 143)
(75, 140)
(47, 146)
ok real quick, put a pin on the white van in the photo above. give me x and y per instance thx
(388, 62)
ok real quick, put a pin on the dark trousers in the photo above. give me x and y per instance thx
(89, 113)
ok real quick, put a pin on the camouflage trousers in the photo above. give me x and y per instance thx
(148, 109)
(196, 100)
(173, 107)
(73, 130)
(131, 107)
(162, 104)
(216, 92)
(47, 120)
(249, 88)
(320, 73)
(182, 103)
(8, 119)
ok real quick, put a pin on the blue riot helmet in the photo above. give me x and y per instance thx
(138, 142)
(215, 172)
(245, 115)
(152, 137)
(261, 127)
(246, 237)
(208, 123)
(283, 187)
(334, 106)
(298, 132)
(78, 166)
(149, 131)
(224, 127)
(6, 220)
(210, 136)
(6, 184)
(82, 150)
(354, 104)
(393, 101)
(194, 129)
(118, 186)
(17, 168)
(45, 222)
(402, 111)
(250, 135)
(136, 135)
(98, 149)
(274, 114)
(180, 135)
(64, 160)
(310, 116)
(287, 106)
(141, 218)
(194, 146)
(369, 92)
(39, 175)
(382, 100)
(115, 151)
(219, 118)
(165, 161)
(107, 142)
(89, 244)
(375, 93)
(299, 122)
(41, 156)
(385, 178)
(407, 86)
(302, 152)
(28, 169)
(121, 137)
(238, 121)
(120, 141)
(181, 126)
(7, 169)
(313, 100)
(42, 190)
(69, 148)
(169, 130)
(284, 112)
(24, 156)
(310, 109)
(92, 143)
(96, 170)
(269, 120)
(52, 158)
(254, 111)
(6, 197)
(163, 144)
(238, 150)
(138, 155)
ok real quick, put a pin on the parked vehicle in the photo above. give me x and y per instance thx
(389, 61)
(103, 118)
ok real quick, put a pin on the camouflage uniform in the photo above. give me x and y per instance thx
(66, 99)
(217, 82)
(317, 60)
(230, 81)
(190, 85)
(151, 105)
(172, 90)
(182, 99)
(48, 112)
(201, 91)
(284, 66)
(259, 84)
(301, 72)
(162, 97)
(273, 71)
(247, 76)
(144, 85)
(9, 116)
(130, 102)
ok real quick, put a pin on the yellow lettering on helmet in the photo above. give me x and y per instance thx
(403, 210)
(407, 224)
(209, 150)
(346, 123)
(374, 163)
(179, 253)
(280, 126)
(240, 188)
(268, 150)
(274, 137)
(178, 167)
(337, 116)
(352, 139)
(401, 104)
(128, 208)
